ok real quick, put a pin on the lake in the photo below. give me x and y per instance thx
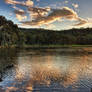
(46, 70)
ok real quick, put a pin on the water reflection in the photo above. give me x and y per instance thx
(52, 70)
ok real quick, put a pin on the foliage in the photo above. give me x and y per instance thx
(65, 37)
(11, 35)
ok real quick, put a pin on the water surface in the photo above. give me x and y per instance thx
(46, 70)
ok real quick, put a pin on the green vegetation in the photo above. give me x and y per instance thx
(11, 36)
(72, 37)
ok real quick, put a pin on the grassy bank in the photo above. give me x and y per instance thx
(46, 46)
(55, 46)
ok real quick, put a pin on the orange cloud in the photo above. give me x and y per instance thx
(20, 12)
(81, 22)
(40, 16)
(55, 14)
(36, 12)
(89, 20)
(20, 17)
(14, 2)
(28, 3)
(75, 5)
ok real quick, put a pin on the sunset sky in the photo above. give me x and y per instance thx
(49, 14)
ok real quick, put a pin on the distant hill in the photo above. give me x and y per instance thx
(10, 35)
(68, 37)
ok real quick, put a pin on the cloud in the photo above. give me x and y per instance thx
(28, 3)
(81, 22)
(20, 17)
(37, 12)
(38, 9)
(14, 2)
(20, 13)
(75, 5)
(42, 16)
(89, 19)
(66, 2)
(55, 14)
(50, 26)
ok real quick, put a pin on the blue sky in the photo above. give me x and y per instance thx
(31, 19)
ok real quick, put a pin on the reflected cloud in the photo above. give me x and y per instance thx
(45, 69)
(11, 89)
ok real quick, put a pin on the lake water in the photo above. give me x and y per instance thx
(46, 70)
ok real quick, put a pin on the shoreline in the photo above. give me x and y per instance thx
(47, 46)
(55, 46)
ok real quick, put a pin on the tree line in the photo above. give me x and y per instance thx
(81, 36)
(11, 35)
